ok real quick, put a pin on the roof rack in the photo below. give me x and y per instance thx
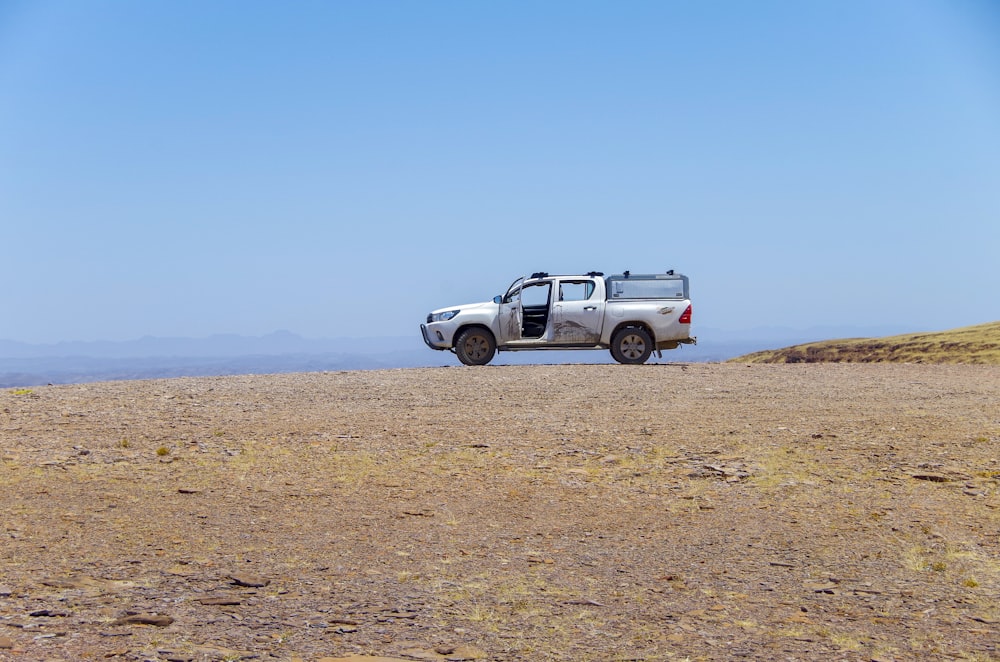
(540, 274)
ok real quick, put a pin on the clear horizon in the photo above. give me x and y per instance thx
(189, 169)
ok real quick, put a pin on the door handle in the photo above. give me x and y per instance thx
(590, 307)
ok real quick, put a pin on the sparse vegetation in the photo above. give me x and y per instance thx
(724, 512)
(968, 345)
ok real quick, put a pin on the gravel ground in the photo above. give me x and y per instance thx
(571, 512)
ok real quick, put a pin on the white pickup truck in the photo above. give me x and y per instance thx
(630, 314)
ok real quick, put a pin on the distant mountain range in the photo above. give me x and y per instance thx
(26, 364)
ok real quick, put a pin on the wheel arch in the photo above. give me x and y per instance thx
(472, 325)
(633, 324)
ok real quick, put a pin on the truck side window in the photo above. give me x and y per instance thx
(536, 294)
(575, 290)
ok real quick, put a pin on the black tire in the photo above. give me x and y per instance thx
(475, 346)
(631, 345)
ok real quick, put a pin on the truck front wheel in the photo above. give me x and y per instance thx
(475, 346)
(631, 345)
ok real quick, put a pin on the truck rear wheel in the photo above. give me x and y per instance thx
(631, 345)
(475, 346)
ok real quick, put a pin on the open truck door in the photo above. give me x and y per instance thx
(511, 312)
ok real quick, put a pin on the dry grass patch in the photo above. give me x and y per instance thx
(968, 345)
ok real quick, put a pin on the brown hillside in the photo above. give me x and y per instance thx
(968, 345)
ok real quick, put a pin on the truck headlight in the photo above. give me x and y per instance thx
(442, 317)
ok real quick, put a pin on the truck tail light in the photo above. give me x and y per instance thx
(685, 317)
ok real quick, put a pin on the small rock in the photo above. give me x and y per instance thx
(217, 601)
(394, 613)
(79, 581)
(424, 655)
(173, 656)
(48, 613)
(821, 587)
(6, 643)
(463, 653)
(218, 653)
(159, 620)
(341, 621)
(249, 581)
(934, 478)
(539, 559)
(362, 658)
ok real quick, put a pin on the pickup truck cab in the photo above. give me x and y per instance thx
(630, 314)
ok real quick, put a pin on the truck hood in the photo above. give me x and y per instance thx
(465, 306)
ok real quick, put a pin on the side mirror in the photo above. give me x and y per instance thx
(497, 299)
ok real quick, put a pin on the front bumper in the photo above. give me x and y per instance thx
(433, 339)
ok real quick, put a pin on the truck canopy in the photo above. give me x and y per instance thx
(669, 285)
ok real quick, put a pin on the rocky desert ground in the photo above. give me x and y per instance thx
(570, 512)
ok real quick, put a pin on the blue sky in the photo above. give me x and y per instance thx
(188, 168)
